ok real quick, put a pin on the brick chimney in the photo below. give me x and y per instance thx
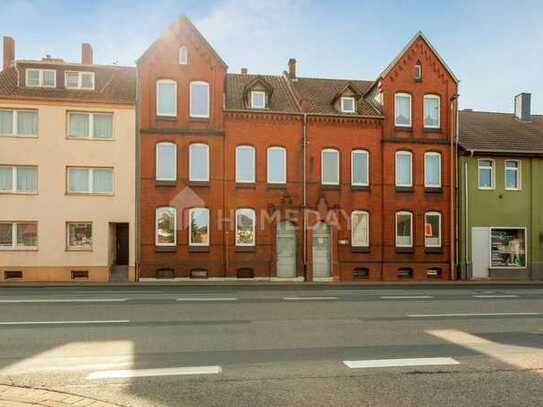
(243, 71)
(292, 69)
(523, 106)
(9, 52)
(86, 54)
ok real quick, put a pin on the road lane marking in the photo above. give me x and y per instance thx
(173, 371)
(495, 296)
(65, 300)
(365, 364)
(206, 299)
(489, 314)
(406, 297)
(115, 321)
(308, 298)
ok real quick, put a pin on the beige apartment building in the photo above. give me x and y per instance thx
(67, 169)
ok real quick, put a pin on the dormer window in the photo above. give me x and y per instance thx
(183, 56)
(418, 72)
(347, 105)
(41, 78)
(258, 99)
(79, 80)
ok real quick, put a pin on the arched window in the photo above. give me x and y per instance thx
(360, 168)
(166, 226)
(402, 110)
(199, 227)
(166, 97)
(199, 99)
(166, 161)
(183, 55)
(432, 229)
(432, 170)
(431, 111)
(360, 229)
(199, 162)
(245, 164)
(245, 227)
(418, 71)
(404, 229)
(329, 167)
(277, 165)
(404, 169)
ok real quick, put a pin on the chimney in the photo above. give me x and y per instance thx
(86, 54)
(9, 51)
(292, 69)
(522, 106)
(243, 71)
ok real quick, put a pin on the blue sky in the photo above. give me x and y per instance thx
(494, 47)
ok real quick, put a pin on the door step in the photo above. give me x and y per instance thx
(118, 274)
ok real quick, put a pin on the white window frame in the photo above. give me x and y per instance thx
(284, 150)
(157, 87)
(75, 248)
(91, 125)
(40, 75)
(258, 92)
(191, 177)
(14, 245)
(194, 210)
(418, 71)
(396, 168)
(518, 171)
(438, 155)
(367, 154)
(367, 215)
(90, 181)
(183, 56)
(252, 180)
(79, 80)
(338, 166)
(253, 215)
(400, 213)
(170, 209)
(199, 83)
(15, 123)
(492, 174)
(344, 99)
(438, 98)
(14, 169)
(526, 246)
(402, 94)
(157, 145)
(438, 214)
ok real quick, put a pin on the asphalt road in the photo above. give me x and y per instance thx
(232, 346)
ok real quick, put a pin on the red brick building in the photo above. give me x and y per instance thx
(282, 176)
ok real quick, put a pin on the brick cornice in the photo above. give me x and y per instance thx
(181, 131)
(413, 140)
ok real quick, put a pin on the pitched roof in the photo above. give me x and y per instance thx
(113, 84)
(500, 132)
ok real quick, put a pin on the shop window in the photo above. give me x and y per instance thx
(508, 247)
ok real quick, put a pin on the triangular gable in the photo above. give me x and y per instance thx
(256, 81)
(348, 86)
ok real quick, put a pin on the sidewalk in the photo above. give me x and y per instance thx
(13, 396)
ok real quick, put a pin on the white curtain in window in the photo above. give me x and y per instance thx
(360, 168)
(33, 77)
(245, 164)
(403, 230)
(431, 112)
(27, 234)
(78, 180)
(360, 229)
(166, 161)
(6, 179)
(431, 170)
(79, 124)
(27, 179)
(330, 166)
(27, 123)
(102, 181)
(199, 99)
(403, 110)
(276, 165)
(403, 169)
(166, 96)
(199, 162)
(6, 122)
(72, 79)
(49, 78)
(103, 126)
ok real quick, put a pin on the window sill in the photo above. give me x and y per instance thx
(245, 249)
(361, 249)
(165, 249)
(166, 118)
(16, 249)
(6, 135)
(276, 186)
(198, 249)
(433, 250)
(401, 128)
(79, 250)
(199, 119)
(87, 194)
(326, 187)
(89, 138)
(404, 189)
(159, 183)
(199, 184)
(246, 185)
(360, 187)
(433, 190)
(431, 129)
(405, 250)
(18, 193)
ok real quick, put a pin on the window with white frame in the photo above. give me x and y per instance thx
(402, 110)
(329, 167)
(404, 169)
(166, 161)
(79, 236)
(418, 71)
(360, 229)
(348, 104)
(245, 164)
(90, 180)
(512, 175)
(41, 78)
(166, 226)
(486, 174)
(22, 123)
(199, 99)
(277, 165)
(432, 229)
(18, 235)
(431, 111)
(199, 227)
(79, 80)
(199, 162)
(18, 179)
(90, 125)
(404, 229)
(258, 99)
(432, 170)
(183, 55)
(245, 227)
(359, 168)
(166, 98)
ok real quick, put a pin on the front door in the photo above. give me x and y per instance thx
(321, 250)
(122, 244)
(480, 249)
(286, 250)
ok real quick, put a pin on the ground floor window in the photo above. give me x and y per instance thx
(199, 227)
(18, 235)
(165, 226)
(245, 227)
(79, 236)
(508, 247)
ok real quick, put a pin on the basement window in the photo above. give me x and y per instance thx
(434, 272)
(165, 273)
(361, 273)
(13, 275)
(405, 273)
(198, 274)
(80, 275)
(246, 273)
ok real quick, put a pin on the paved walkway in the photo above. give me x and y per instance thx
(13, 396)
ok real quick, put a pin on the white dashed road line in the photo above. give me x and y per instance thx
(406, 297)
(188, 299)
(173, 371)
(366, 364)
(19, 301)
(495, 296)
(309, 298)
(117, 321)
(490, 314)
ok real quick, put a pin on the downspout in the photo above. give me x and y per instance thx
(137, 182)
(453, 141)
(305, 193)
(466, 215)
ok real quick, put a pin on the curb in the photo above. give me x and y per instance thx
(16, 396)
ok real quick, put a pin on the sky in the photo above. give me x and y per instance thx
(494, 47)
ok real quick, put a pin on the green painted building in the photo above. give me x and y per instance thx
(500, 200)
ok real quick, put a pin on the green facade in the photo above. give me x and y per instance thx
(501, 208)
